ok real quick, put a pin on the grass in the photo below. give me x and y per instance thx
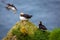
(55, 34)
(26, 30)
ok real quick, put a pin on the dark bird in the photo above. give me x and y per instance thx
(41, 26)
(11, 7)
(25, 16)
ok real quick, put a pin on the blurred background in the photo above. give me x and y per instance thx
(47, 11)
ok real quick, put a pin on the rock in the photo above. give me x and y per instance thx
(21, 30)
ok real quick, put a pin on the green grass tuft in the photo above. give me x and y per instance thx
(55, 34)
(26, 30)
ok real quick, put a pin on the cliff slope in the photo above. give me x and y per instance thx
(26, 30)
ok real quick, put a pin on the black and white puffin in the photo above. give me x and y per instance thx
(11, 7)
(25, 16)
(41, 26)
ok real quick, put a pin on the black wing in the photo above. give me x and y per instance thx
(42, 27)
(27, 16)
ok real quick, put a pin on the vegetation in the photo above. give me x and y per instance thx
(55, 34)
(25, 30)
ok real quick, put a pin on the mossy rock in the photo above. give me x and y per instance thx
(26, 30)
(21, 28)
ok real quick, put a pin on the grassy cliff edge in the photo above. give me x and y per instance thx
(26, 30)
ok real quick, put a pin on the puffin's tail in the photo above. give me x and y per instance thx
(30, 16)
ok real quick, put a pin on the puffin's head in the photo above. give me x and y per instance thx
(41, 22)
(21, 14)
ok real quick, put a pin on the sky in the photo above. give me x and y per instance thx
(47, 11)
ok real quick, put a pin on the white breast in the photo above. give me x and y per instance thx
(13, 8)
(23, 18)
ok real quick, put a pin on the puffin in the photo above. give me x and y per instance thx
(25, 16)
(11, 7)
(41, 26)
